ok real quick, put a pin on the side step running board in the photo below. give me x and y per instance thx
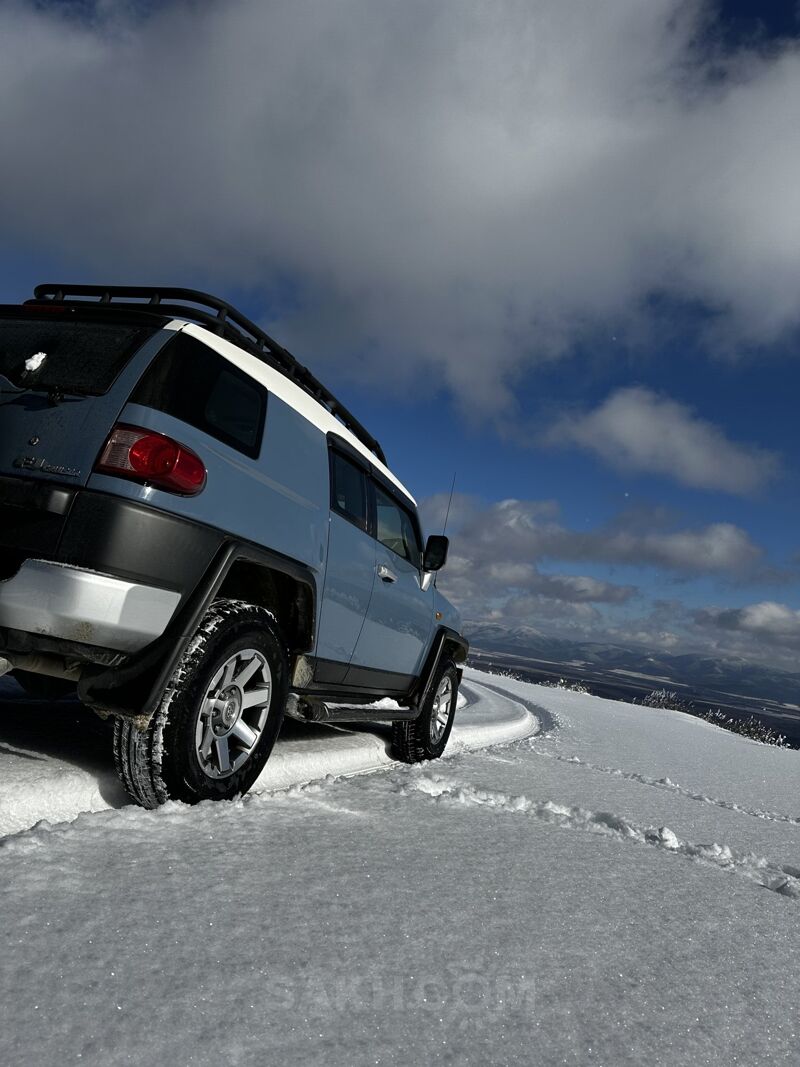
(310, 709)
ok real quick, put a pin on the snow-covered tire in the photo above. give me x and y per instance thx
(426, 736)
(208, 717)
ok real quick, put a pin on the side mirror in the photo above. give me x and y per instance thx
(435, 552)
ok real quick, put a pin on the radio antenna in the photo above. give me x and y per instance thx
(449, 502)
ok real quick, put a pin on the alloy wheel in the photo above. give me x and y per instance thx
(233, 713)
(442, 706)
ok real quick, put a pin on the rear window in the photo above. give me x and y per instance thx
(348, 490)
(191, 382)
(72, 356)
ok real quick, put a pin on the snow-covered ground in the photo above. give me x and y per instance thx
(55, 760)
(578, 881)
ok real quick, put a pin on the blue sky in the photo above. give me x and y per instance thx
(554, 249)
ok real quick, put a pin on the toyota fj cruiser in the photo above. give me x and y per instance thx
(198, 536)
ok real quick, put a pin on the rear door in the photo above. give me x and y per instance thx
(397, 630)
(350, 570)
(63, 381)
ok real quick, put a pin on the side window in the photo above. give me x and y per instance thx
(234, 409)
(348, 490)
(396, 529)
(192, 383)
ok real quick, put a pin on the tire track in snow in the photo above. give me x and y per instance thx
(548, 720)
(781, 879)
(643, 779)
(497, 721)
(672, 787)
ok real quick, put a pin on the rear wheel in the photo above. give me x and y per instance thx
(426, 736)
(220, 715)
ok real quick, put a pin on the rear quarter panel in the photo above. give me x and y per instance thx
(278, 501)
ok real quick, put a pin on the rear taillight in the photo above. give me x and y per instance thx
(151, 457)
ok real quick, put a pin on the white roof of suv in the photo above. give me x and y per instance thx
(291, 394)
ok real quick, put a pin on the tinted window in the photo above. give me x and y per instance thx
(396, 528)
(192, 383)
(348, 490)
(80, 357)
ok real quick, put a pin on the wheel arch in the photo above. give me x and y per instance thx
(288, 589)
(290, 599)
(446, 644)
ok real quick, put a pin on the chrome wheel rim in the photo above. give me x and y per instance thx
(233, 713)
(442, 707)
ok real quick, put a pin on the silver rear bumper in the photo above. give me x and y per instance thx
(83, 606)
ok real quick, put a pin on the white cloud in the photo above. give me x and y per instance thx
(476, 576)
(763, 620)
(766, 631)
(503, 554)
(472, 187)
(717, 548)
(499, 574)
(637, 430)
(523, 532)
(563, 614)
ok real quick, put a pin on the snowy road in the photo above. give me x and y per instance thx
(621, 886)
(55, 761)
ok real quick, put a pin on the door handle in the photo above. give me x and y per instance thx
(385, 574)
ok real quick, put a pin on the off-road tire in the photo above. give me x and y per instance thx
(417, 740)
(161, 762)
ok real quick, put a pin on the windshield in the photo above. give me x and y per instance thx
(68, 355)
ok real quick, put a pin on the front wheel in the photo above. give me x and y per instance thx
(220, 715)
(426, 736)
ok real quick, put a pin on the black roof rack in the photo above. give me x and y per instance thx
(217, 315)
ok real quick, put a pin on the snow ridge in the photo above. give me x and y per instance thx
(673, 787)
(780, 879)
(549, 722)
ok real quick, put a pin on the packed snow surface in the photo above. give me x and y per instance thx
(578, 881)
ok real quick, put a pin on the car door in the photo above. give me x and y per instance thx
(350, 569)
(397, 629)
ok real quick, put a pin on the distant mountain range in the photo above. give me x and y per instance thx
(693, 675)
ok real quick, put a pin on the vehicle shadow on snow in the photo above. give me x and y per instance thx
(68, 732)
(61, 730)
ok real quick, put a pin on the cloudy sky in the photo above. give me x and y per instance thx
(552, 245)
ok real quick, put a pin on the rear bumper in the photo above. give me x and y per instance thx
(102, 532)
(73, 604)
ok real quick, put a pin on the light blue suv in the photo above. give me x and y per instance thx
(201, 538)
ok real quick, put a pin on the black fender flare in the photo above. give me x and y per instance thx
(134, 689)
(446, 641)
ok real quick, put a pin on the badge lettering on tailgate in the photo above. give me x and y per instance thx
(32, 463)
